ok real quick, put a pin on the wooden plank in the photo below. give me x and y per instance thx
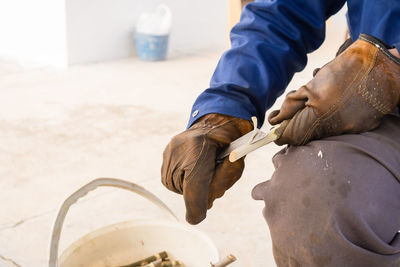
(235, 9)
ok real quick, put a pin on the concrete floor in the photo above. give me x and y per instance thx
(59, 129)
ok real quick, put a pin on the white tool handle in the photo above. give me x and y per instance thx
(55, 237)
(225, 262)
(245, 149)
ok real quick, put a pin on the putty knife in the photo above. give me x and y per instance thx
(252, 141)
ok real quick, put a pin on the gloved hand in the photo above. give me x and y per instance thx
(350, 94)
(189, 162)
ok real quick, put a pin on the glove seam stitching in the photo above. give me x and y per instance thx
(333, 110)
(377, 105)
(204, 148)
(195, 167)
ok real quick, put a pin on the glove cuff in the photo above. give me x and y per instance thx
(382, 46)
(215, 120)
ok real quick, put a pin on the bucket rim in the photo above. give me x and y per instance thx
(136, 223)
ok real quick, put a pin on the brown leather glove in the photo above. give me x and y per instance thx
(189, 162)
(350, 94)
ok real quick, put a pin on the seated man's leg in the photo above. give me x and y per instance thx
(336, 202)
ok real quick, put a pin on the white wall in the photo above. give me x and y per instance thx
(33, 31)
(102, 29)
(64, 32)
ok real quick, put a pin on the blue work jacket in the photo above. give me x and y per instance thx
(271, 43)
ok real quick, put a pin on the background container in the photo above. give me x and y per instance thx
(151, 47)
(126, 242)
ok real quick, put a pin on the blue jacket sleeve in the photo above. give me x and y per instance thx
(268, 45)
(379, 18)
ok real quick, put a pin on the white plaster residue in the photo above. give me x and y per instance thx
(320, 154)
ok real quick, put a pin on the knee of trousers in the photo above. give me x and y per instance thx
(307, 182)
(303, 194)
(318, 200)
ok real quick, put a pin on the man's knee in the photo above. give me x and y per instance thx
(307, 181)
(328, 197)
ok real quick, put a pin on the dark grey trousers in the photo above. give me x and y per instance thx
(336, 201)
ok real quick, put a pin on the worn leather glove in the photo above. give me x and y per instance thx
(190, 167)
(350, 94)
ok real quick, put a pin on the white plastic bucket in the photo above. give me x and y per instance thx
(126, 242)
